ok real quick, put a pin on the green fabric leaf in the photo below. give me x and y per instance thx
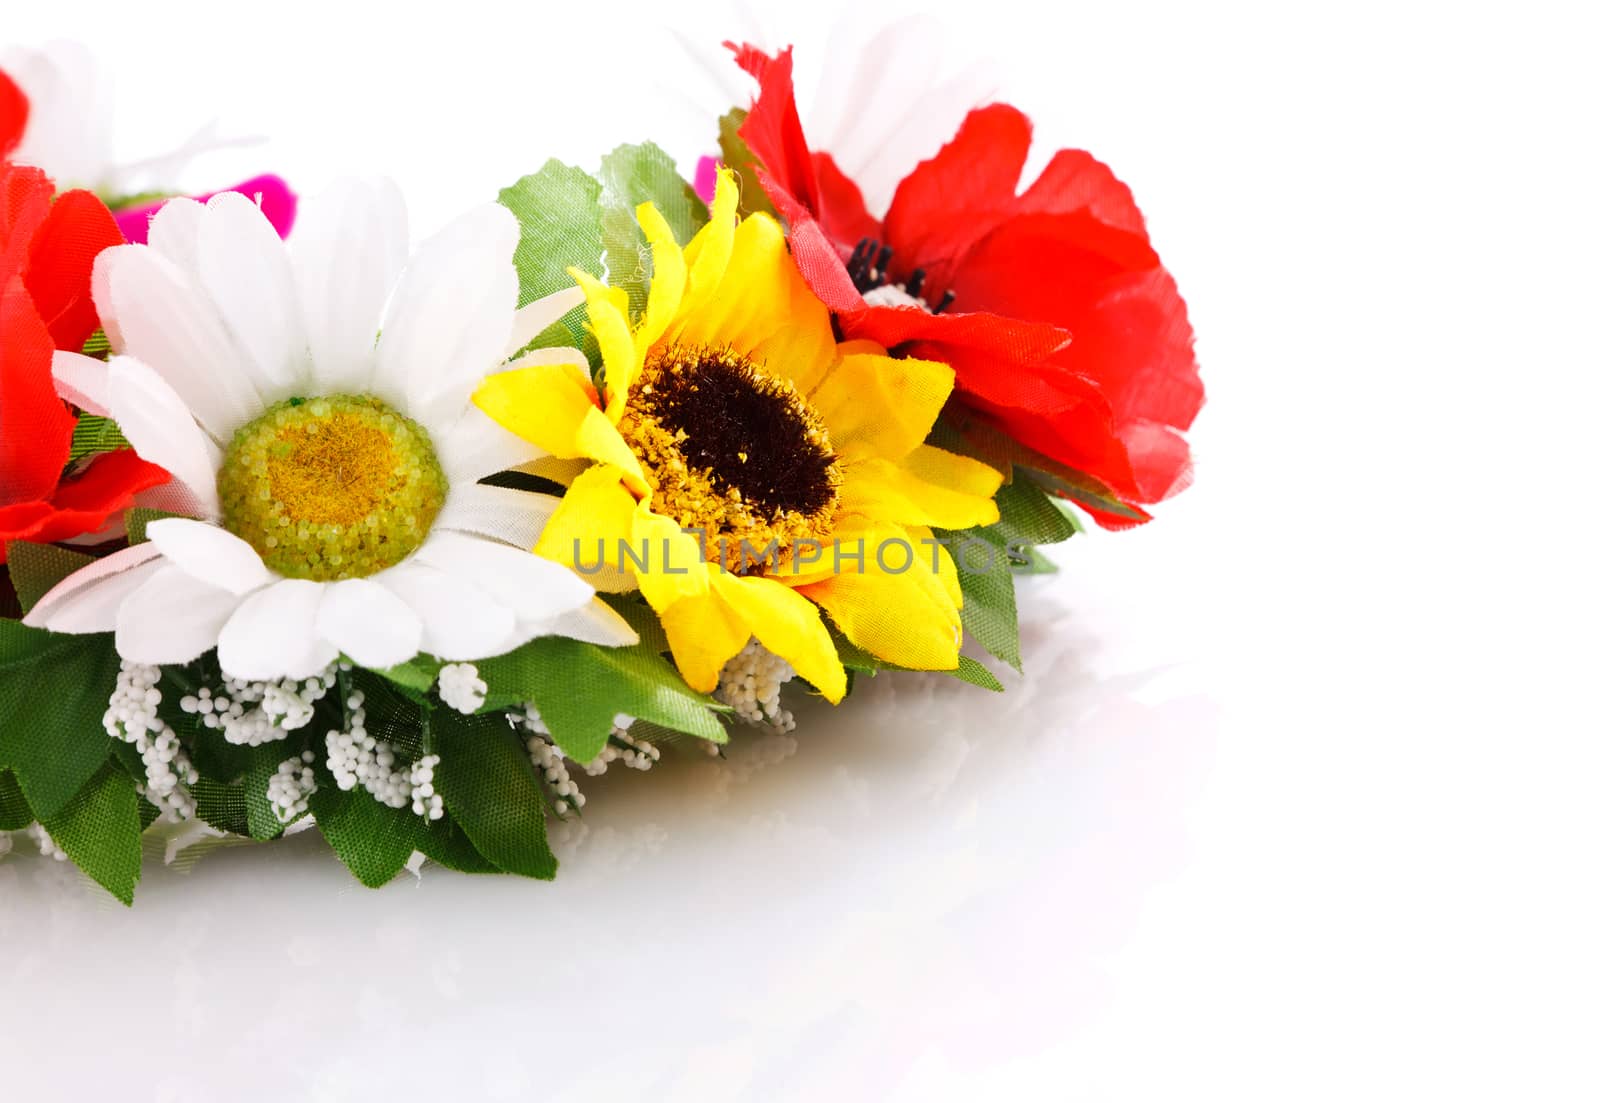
(416, 674)
(989, 611)
(373, 840)
(444, 841)
(99, 829)
(629, 176)
(960, 430)
(641, 618)
(98, 345)
(1031, 560)
(260, 821)
(737, 156)
(14, 811)
(558, 210)
(93, 434)
(579, 688)
(36, 568)
(222, 806)
(53, 694)
(138, 518)
(491, 791)
(854, 658)
(1028, 516)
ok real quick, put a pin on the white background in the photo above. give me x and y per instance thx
(1299, 798)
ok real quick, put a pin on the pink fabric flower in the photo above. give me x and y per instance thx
(270, 192)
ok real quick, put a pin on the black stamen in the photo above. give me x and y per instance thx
(869, 264)
(914, 284)
(948, 298)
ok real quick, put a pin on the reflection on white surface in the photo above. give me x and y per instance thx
(920, 887)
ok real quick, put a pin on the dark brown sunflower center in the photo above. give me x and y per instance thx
(731, 448)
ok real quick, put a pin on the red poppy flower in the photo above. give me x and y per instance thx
(47, 252)
(1064, 329)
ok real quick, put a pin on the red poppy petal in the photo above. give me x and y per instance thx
(993, 356)
(25, 195)
(845, 217)
(61, 263)
(35, 427)
(1075, 181)
(772, 127)
(956, 196)
(1130, 328)
(815, 254)
(13, 114)
(83, 505)
(109, 484)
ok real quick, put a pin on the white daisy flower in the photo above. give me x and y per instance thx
(313, 405)
(70, 116)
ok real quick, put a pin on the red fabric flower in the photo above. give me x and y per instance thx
(13, 115)
(47, 252)
(1063, 327)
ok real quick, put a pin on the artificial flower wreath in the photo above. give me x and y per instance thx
(326, 529)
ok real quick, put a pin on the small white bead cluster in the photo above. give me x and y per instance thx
(461, 688)
(252, 713)
(552, 766)
(131, 717)
(289, 790)
(424, 801)
(47, 846)
(751, 682)
(357, 758)
(549, 761)
(636, 754)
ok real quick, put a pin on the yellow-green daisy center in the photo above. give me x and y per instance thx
(340, 486)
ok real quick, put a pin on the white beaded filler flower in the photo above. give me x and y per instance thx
(751, 683)
(252, 713)
(131, 716)
(461, 688)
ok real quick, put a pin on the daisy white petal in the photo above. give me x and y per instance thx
(451, 316)
(164, 320)
(534, 588)
(514, 517)
(172, 618)
(369, 623)
(460, 621)
(244, 267)
(594, 622)
(175, 234)
(210, 554)
(475, 446)
(155, 421)
(273, 633)
(348, 250)
(82, 380)
(87, 600)
(539, 316)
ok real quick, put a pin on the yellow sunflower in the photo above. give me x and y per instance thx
(744, 470)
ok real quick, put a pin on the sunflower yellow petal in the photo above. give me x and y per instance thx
(762, 294)
(665, 560)
(704, 633)
(891, 604)
(941, 562)
(787, 625)
(880, 405)
(929, 487)
(668, 277)
(590, 527)
(608, 319)
(708, 251)
(555, 407)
